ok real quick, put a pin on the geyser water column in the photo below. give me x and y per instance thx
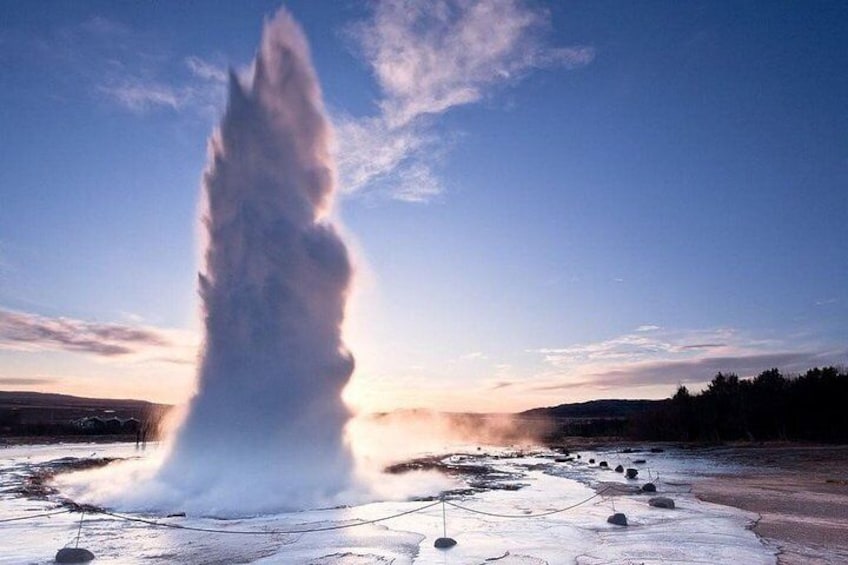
(264, 431)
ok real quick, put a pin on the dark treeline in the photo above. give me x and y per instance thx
(808, 407)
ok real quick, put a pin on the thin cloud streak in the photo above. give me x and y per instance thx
(140, 96)
(427, 58)
(25, 331)
(206, 70)
(696, 346)
(698, 370)
(663, 357)
(25, 381)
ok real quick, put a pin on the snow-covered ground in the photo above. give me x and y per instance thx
(693, 532)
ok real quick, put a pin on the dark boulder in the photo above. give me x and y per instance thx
(649, 487)
(618, 519)
(631, 473)
(603, 464)
(444, 543)
(591, 460)
(619, 469)
(661, 502)
(73, 555)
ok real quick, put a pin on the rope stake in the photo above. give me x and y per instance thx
(444, 542)
(79, 530)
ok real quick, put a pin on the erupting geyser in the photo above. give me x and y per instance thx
(265, 429)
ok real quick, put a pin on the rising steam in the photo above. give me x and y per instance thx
(265, 429)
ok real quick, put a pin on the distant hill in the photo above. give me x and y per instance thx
(596, 418)
(35, 413)
(595, 409)
(19, 409)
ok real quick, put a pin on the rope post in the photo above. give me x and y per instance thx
(79, 530)
(444, 542)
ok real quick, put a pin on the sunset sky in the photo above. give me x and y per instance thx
(548, 202)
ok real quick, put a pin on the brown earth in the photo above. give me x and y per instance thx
(800, 493)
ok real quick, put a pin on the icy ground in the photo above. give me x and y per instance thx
(693, 532)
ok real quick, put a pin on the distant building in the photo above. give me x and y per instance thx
(113, 425)
(98, 425)
(130, 426)
(92, 424)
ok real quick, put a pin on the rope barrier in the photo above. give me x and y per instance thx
(33, 516)
(155, 523)
(270, 532)
(538, 515)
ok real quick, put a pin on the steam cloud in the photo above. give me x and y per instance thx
(265, 429)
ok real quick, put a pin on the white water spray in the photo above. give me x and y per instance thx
(265, 429)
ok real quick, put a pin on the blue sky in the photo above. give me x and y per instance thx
(549, 202)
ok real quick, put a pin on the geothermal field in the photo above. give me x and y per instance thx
(500, 506)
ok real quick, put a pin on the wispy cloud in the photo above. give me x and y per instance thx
(142, 96)
(132, 68)
(697, 370)
(663, 357)
(25, 381)
(201, 88)
(474, 355)
(427, 58)
(206, 70)
(19, 330)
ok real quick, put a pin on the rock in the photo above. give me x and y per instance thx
(627, 450)
(444, 543)
(631, 473)
(649, 487)
(661, 502)
(619, 469)
(602, 464)
(618, 519)
(73, 555)
(591, 460)
(638, 461)
(657, 450)
(578, 456)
